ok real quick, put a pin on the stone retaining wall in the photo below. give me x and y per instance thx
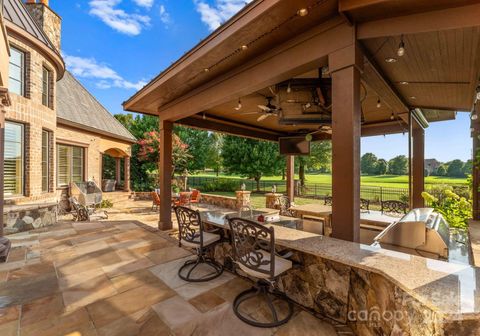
(25, 218)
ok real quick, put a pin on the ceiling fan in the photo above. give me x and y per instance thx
(266, 110)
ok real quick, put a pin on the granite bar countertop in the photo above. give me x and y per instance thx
(450, 289)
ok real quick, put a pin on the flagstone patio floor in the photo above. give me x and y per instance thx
(119, 278)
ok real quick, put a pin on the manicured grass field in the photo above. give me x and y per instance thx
(391, 181)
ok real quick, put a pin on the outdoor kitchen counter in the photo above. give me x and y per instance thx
(450, 290)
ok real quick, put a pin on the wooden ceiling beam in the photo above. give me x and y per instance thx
(349, 5)
(298, 55)
(444, 19)
(229, 128)
(393, 127)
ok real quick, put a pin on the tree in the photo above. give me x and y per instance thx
(382, 167)
(441, 170)
(467, 168)
(214, 157)
(455, 168)
(320, 158)
(251, 158)
(398, 165)
(199, 143)
(368, 164)
(150, 151)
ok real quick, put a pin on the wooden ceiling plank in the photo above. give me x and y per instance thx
(445, 19)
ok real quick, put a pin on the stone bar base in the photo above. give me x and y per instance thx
(368, 302)
(243, 199)
(19, 218)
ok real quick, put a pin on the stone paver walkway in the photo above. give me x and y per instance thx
(118, 278)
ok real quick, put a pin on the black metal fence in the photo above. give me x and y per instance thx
(375, 194)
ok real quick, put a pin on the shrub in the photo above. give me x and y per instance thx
(455, 209)
(221, 185)
(106, 204)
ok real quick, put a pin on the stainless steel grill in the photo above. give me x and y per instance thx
(421, 231)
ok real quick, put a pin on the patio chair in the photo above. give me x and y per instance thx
(195, 198)
(328, 200)
(155, 200)
(365, 205)
(254, 253)
(191, 233)
(79, 212)
(394, 207)
(284, 205)
(184, 199)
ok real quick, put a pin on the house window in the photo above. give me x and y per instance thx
(70, 164)
(17, 72)
(45, 160)
(46, 76)
(14, 159)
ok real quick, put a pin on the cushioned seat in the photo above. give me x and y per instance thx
(281, 265)
(208, 239)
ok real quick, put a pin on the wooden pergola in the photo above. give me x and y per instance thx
(348, 51)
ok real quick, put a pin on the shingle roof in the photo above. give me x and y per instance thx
(16, 12)
(76, 105)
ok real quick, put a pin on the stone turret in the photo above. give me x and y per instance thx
(47, 19)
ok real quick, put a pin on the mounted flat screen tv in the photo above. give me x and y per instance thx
(294, 146)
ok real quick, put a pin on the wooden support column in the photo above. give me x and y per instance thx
(165, 175)
(417, 164)
(476, 167)
(126, 167)
(291, 177)
(2, 149)
(345, 66)
(117, 170)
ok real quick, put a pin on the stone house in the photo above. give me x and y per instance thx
(56, 132)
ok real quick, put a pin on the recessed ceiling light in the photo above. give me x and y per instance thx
(390, 60)
(404, 83)
(206, 70)
(413, 97)
(244, 47)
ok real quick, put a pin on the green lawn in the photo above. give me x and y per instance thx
(380, 181)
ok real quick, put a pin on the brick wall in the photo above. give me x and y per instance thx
(35, 117)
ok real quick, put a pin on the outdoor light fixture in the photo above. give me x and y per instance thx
(379, 103)
(413, 97)
(239, 106)
(404, 83)
(472, 129)
(204, 116)
(474, 116)
(390, 60)
(289, 88)
(244, 47)
(302, 12)
(206, 70)
(401, 48)
(478, 92)
(392, 117)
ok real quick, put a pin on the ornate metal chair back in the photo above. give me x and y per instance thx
(190, 226)
(328, 200)
(364, 204)
(396, 207)
(251, 244)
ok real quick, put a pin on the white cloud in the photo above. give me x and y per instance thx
(144, 3)
(164, 15)
(108, 78)
(118, 19)
(219, 12)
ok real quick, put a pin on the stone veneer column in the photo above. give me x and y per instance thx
(126, 167)
(271, 200)
(243, 198)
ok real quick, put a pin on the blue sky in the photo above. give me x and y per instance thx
(114, 47)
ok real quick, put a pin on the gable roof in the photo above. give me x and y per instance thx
(77, 107)
(16, 12)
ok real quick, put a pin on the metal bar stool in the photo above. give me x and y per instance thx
(192, 234)
(254, 252)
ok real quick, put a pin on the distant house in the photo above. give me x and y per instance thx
(56, 132)
(431, 165)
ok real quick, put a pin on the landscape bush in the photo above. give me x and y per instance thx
(220, 185)
(455, 209)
